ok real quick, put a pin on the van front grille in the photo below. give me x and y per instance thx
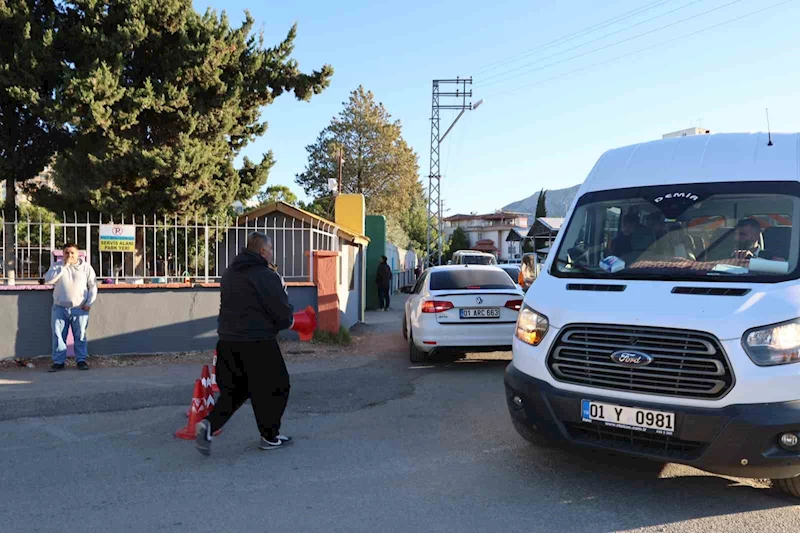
(687, 364)
(630, 440)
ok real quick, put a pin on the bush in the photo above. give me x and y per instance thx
(343, 337)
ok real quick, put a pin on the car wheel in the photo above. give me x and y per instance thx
(415, 354)
(405, 327)
(789, 486)
(530, 435)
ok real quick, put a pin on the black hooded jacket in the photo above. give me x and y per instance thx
(254, 305)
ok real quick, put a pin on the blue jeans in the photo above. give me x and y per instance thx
(63, 318)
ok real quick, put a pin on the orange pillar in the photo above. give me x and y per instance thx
(327, 297)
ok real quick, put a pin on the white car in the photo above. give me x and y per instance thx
(457, 309)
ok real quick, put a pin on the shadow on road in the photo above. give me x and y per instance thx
(637, 492)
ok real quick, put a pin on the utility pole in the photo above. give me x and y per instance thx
(456, 100)
(341, 161)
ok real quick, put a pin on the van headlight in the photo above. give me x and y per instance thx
(531, 326)
(778, 344)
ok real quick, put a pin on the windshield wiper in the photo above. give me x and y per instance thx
(586, 270)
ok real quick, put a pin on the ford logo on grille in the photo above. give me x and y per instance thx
(631, 358)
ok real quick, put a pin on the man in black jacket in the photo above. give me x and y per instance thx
(383, 278)
(254, 307)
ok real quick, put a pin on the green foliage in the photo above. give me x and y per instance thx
(277, 193)
(160, 101)
(31, 71)
(459, 240)
(541, 207)
(377, 161)
(343, 337)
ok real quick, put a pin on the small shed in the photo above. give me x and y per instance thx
(304, 245)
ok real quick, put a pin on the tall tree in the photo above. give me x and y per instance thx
(377, 161)
(161, 100)
(277, 193)
(541, 207)
(459, 240)
(30, 73)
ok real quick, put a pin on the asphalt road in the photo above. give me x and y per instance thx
(380, 445)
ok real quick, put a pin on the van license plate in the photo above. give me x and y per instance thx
(619, 416)
(489, 312)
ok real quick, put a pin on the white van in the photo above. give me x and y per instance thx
(665, 321)
(473, 257)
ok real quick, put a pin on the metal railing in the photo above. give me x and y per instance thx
(166, 249)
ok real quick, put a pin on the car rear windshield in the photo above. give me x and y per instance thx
(468, 279)
(476, 260)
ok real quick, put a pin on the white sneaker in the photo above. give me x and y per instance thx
(202, 437)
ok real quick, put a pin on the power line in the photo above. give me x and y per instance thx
(615, 43)
(670, 41)
(626, 28)
(573, 36)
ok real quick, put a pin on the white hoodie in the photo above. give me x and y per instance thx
(74, 285)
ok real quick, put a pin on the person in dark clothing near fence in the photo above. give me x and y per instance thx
(254, 307)
(384, 280)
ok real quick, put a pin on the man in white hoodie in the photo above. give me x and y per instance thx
(74, 291)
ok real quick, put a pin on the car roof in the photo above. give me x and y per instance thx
(716, 157)
(443, 268)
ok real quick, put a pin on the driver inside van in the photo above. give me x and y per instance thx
(748, 241)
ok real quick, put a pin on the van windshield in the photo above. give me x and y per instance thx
(475, 259)
(740, 231)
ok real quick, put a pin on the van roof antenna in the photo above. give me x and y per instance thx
(769, 133)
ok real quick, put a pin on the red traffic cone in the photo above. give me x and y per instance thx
(305, 322)
(197, 412)
(214, 386)
(208, 396)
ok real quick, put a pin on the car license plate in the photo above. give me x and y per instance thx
(487, 312)
(660, 422)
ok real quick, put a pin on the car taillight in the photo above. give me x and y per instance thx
(436, 306)
(514, 305)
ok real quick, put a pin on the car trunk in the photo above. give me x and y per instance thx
(477, 306)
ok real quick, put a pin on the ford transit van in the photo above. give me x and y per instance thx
(665, 323)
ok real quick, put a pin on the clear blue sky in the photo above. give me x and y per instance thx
(530, 133)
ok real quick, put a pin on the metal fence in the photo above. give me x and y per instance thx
(167, 249)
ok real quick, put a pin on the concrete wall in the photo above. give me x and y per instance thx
(125, 321)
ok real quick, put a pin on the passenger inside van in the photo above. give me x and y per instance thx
(748, 242)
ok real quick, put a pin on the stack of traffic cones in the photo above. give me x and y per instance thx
(202, 405)
(197, 412)
(214, 386)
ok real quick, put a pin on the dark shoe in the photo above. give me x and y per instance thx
(275, 442)
(83, 366)
(56, 367)
(202, 439)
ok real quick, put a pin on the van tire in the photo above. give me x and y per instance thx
(789, 486)
(415, 354)
(537, 439)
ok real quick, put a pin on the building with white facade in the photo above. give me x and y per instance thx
(497, 233)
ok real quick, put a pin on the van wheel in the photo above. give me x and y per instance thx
(790, 486)
(415, 354)
(530, 435)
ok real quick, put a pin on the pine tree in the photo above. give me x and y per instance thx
(541, 206)
(161, 100)
(30, 74)
(459, 240)
(377, 161)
